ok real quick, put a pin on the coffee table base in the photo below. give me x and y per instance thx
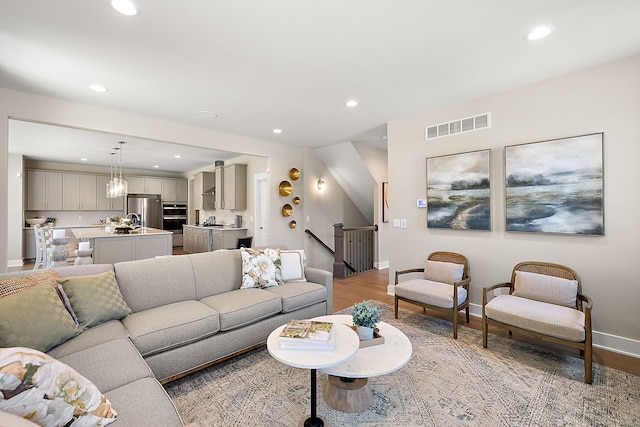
(348, 394)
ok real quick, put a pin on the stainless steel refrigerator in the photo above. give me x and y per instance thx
(148, 207)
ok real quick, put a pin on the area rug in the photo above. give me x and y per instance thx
(446, 383)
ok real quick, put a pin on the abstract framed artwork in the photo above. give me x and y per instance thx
(556, 186)
(385, 201)
(459, 191)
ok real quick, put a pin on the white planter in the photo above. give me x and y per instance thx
(365, 333)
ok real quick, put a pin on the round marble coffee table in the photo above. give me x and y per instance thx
(347, 388)
(347, 344)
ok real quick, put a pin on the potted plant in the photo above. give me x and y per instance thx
(365, 316)
(50, 221)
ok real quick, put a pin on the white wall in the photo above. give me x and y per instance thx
(600, 99)
(15, 193)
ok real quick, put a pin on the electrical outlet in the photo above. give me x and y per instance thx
(403, 223)
(79, 217)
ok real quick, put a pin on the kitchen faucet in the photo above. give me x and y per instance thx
(133, 222)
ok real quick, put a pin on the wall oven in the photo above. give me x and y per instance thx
(174, 216)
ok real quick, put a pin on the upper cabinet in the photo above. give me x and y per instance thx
(219, 185)
(174, 190)
(103, 203)
(202, 182)
(234, 187)
(44, 190)
(79, 192)
(144, 185)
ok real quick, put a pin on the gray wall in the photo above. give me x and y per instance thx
(601, 99)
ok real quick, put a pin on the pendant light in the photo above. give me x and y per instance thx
(117, 186)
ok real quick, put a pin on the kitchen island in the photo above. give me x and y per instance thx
(197, 238)
(109, 247)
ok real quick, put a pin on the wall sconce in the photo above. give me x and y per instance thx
(320, 185)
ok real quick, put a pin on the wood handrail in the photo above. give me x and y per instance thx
(324, 245)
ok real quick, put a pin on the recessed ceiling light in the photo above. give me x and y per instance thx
(98, 88)
(277, 131)
(124, 7)
(84, 160)
(351, 103)
(156, 166)
(207, 113)
(178, 156)
(538, 33)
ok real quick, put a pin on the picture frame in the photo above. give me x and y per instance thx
(385, 201)
(556, 186)
(459, 191)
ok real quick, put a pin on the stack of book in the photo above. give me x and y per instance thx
(308, 335)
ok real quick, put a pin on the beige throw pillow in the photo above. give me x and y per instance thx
(12, 285)
(544, 288)
(444, 272)
(292, 266)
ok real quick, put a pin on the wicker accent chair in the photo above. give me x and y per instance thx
(545, 301)
(444, 287)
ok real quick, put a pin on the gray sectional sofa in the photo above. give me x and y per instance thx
(188, 312)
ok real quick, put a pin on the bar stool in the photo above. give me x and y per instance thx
(40, 248)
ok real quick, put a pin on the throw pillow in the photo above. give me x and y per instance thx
(292, 265)
(44, 390)
(260, 268)
(444, 272)
(95, 299)
(12, 285)
(545, 288)
(35, 318)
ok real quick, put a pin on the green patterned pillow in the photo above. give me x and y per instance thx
(95, 299)
(48, 392)
(35, 318)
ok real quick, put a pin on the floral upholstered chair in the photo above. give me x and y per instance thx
(545, 302)
(444, 286)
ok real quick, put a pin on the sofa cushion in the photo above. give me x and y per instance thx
(243, 306)
(166, 280)
(260, 268)
(49, 392)
(292, 265)
(104, 332)
(544, 318)
(144, 403)
(430, 292)
(95, 299)
(12, 285)
(445, 272)
(296, 295)
(216, 272)
(109, 365)
(546, 288)
(172, 325)
(35, 318)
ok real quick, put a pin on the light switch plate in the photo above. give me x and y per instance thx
(396, 223)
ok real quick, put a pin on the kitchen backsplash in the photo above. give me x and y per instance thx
(71, 218)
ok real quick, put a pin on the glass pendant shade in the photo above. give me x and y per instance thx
(117, 185)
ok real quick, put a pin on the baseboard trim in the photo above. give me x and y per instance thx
(382, 265)
(15, 263)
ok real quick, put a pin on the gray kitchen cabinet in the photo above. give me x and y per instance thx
(174, 190)
(44, 190)
(203, 181)
(219, 184)
(29, 243)
(234, 194)
(103, 203)
(79, 192)
(226, 238)
(144, 185)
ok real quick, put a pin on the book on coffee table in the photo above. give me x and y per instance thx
(307, 335)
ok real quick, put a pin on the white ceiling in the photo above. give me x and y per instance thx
(292, 64)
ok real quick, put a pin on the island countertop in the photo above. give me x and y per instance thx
(98, 232)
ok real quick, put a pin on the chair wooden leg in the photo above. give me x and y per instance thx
(396, 307)
(485, 330)
(467, 313)
(588, 366)
(455, 325)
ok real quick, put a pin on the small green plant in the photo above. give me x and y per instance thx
(365, 314)
(114, 218)
(50, 219)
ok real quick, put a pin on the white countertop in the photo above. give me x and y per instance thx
(225, 228)
(99, 232)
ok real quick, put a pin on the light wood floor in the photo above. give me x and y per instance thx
(373, 285)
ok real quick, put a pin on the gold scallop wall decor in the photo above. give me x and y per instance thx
(296, 200)
(287, 210)
(294, 174)
(285, 188)
(293, 224)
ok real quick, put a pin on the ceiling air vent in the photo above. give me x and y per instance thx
(481, 121)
